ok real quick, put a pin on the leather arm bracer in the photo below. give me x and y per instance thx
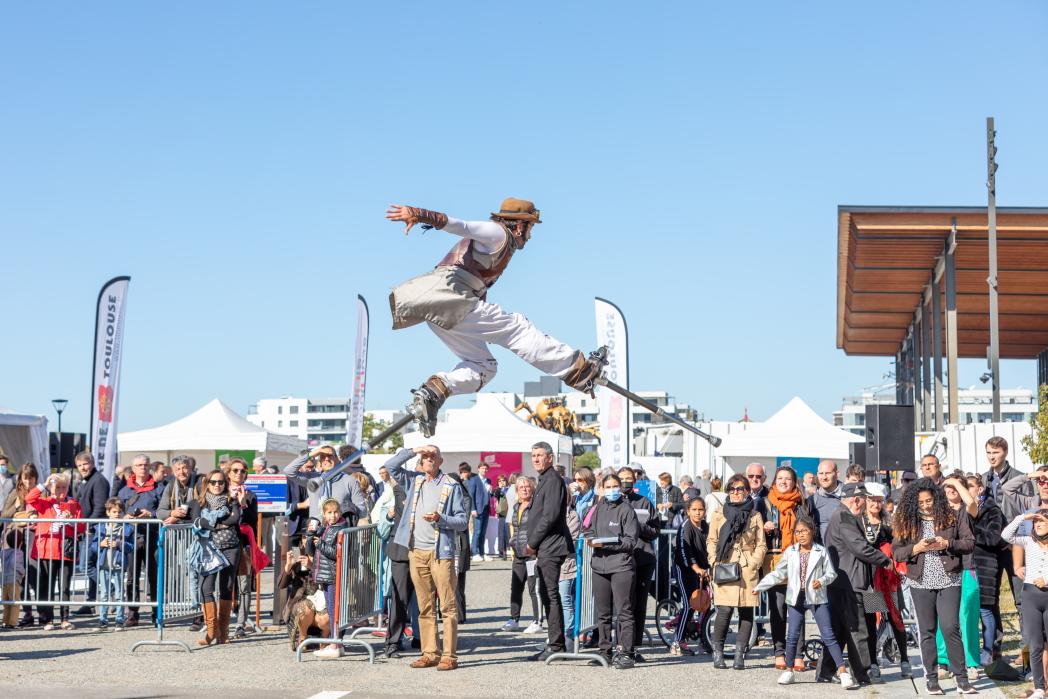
(429, 219)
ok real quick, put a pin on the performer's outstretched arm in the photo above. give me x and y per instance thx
(488, 235)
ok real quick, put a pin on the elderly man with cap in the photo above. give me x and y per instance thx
(452, 300)
(854, 558)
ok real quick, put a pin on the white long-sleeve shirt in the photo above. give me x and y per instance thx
(1036, 555)
(488, 235)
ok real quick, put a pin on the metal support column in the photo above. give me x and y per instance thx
(991, 280)
(950, 279)
(926, 365)
(918, 373)
(936, 288)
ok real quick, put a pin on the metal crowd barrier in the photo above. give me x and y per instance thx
(52, 562)
(174, 583)
(358, 590)
(585, 608)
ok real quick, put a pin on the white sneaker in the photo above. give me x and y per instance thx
(1037, 694)
(477, 557)
(975, 673)
(484, 559)
(328, 653)
(534, 627)
(846, 680)
(511, 625)
(786, 677)
(905, 669)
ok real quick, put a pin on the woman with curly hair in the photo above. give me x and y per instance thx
(931, 538)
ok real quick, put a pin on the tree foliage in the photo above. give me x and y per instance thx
(590, 460)
(373, 427)
(1036, 444)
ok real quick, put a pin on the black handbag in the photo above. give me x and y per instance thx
(726, 573)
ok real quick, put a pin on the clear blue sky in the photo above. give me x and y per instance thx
(236, 160)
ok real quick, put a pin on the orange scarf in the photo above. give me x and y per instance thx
(787, 504)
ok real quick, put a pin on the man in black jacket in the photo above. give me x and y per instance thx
(401, 588)
(91, 492)
(643, 555)
(854, 559)
(549, 539)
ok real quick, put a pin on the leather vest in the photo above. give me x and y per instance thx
(487, 267)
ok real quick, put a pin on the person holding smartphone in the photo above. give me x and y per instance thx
(931, 538)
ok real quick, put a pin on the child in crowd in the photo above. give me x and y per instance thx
(322, 545)
(806, 569)
(12, 573)
(113, 547)
(691, 569)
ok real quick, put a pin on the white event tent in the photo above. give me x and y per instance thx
(24, 438)
(206, 434)
(488, 426)
(794, 432)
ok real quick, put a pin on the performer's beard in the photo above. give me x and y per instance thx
(521, 234)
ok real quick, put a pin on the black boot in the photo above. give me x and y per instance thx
(740, 659)
(718, 657)
(428, 399)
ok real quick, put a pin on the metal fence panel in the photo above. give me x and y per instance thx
(358, 589)
(585, 608)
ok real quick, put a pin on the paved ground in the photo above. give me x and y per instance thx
(86, 664)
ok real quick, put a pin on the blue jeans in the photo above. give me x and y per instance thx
(795, 623)
(480, 530)
(989, 620)
(567, 601)
(110, 589)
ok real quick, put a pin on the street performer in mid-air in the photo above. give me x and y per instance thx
(452, 300)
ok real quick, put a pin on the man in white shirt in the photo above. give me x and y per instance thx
(452, 300)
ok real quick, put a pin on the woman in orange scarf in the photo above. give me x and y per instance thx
(784, 503)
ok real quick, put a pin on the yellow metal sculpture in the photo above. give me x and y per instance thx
(551, 414)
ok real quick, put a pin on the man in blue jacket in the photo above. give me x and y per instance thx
(433, 513)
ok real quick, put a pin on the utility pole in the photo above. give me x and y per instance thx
(994, 356)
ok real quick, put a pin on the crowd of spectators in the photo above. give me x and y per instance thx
(857, 555)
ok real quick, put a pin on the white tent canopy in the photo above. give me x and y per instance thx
(796, 431)
(24, 438)
(212, 429)
(489, 426)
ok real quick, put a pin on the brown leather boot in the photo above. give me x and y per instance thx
(225, 608)
(209, 622)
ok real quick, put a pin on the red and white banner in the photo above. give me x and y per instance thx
(105, 375)
(615, 449)
(355, 421)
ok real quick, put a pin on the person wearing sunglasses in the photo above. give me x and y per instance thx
(217, 514)
(735, 545)
(343, 487)
(248, 502)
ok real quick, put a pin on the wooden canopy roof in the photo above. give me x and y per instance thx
(886, 256)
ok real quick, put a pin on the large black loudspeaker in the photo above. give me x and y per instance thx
(64, 448)
(889, 438)
(857, 454)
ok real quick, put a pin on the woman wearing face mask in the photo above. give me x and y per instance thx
(1035, 588)
(644, 556)
(931, 538)
(612, 532)
(736, 537)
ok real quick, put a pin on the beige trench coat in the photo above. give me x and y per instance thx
(748, 552)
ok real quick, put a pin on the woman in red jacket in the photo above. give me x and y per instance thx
(54, 545)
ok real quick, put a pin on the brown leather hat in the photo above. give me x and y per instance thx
(518, 210)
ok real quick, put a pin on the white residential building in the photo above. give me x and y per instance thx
(316, 420)
(973, 406)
